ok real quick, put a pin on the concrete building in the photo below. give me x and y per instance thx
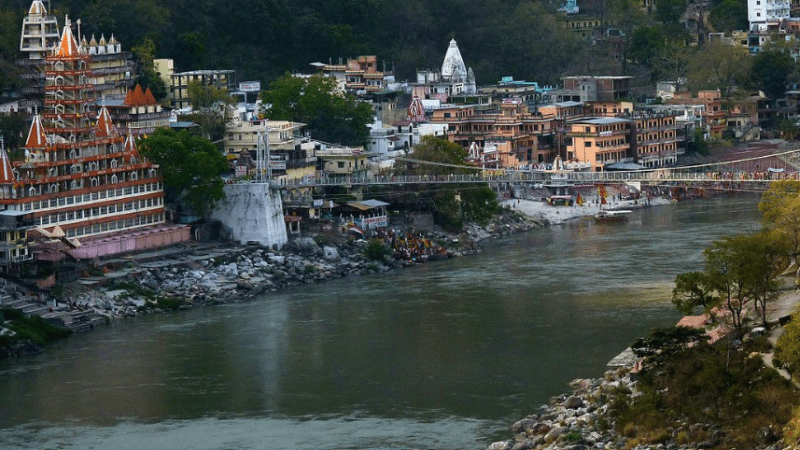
(592, 88)
(763, 14)
(39, 35)
(178, 86)
(340, 162)
(658, 139)
(360, 76)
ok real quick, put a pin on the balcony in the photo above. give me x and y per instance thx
(21, 258)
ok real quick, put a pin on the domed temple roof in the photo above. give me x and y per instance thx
(453, 67)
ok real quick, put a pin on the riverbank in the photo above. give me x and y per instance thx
(203, 274)
(554, 215)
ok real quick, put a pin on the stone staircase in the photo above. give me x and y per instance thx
(75, 320)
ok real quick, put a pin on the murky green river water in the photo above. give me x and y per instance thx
(444, 356)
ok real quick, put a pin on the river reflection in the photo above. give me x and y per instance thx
(441, 356)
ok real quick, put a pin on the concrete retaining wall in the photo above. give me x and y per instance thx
(252, 213)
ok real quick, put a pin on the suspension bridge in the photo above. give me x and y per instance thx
(748, 173)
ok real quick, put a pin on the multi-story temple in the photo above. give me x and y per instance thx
(79, 178)
(112, 68)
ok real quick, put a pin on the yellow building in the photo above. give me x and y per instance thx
(288, 158)
(339, 162)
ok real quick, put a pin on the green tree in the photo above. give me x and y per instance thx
(725, 266)
(780, 209)
(205, 95)
(329, 115)
(787, 349)
(669, 13)
(646, 44)
(729, 15)
(9, 46)
(13, 128)
(147, 75)
(664, 341)
(210, 109)
(694, 289)
(671, 63)
(770, 71)
(453, 204)
(191, 166)
(764, 255)
(717, 65)
(628, 16)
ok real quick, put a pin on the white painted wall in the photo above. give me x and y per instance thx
(252, 213)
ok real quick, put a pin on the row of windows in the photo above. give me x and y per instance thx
(12, 235)
(656, 148)
(94, 213)
(606, 157)
(607, 143)
(650, 137)
(109, 193)
(116, 225)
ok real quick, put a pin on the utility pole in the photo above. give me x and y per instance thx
(262, 154)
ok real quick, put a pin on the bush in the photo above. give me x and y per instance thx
(376, 250)
(11, 314)
(169, 303)
(38, 331)
(791, 432)
(787, 349)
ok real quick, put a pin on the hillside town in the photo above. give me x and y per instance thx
(77, 185)
(130, 185)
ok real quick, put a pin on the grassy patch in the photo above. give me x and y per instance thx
(36, 330)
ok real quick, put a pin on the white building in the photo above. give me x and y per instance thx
(763, 13)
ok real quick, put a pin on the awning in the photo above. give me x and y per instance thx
(624, 166)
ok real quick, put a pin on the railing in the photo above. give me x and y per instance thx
(546, 178)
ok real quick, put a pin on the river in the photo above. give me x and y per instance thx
(442, 356)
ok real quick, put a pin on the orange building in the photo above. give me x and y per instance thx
(599, 140)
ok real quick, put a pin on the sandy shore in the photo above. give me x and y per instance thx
(541, 211)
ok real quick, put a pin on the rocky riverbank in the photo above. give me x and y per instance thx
(202, 275)
(584, 419)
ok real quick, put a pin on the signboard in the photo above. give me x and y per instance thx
(277, 165)
(606, 133)
(374, 222)
(250, 86)
(317, 203)
(507, 79)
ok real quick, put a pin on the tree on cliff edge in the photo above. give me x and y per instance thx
(191, 166)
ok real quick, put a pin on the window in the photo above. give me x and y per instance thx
(340, 164)
(588, 144)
